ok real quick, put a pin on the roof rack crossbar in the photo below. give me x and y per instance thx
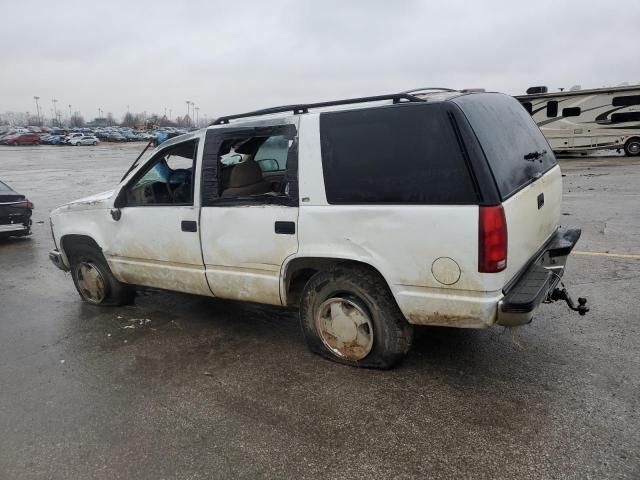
(304, 108)
(425, 89)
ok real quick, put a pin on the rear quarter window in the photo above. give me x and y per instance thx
(507, 134)
(396, 154)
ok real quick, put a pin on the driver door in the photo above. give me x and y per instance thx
(156, 240)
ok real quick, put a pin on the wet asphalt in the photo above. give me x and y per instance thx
(179, 386)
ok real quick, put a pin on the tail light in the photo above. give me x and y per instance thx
(26, 204)
(492, 235)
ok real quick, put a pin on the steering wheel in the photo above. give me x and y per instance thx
(181, 178)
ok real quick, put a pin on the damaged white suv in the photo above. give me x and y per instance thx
(370, 215)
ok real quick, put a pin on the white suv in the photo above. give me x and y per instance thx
(415, 208)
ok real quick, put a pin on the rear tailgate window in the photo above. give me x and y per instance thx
(507, 134)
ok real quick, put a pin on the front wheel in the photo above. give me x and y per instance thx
(632, 147)
(95, 143)
(348, 315)
(94, 281)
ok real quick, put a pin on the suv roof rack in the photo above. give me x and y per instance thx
(425, 89)
(304, 107)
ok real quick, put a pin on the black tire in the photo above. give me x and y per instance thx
(632, 147)
(392, 334)
(114, 292)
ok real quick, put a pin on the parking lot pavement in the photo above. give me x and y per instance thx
(180, 386)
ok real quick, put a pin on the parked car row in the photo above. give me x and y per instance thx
(79, 136)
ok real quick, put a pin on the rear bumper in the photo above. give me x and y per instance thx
(9, 229)
(56, 258)
(538, 281)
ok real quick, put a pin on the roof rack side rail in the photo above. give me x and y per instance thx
(426, 89)
(304, 108)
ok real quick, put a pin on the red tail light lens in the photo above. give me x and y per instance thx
(28, 205)
(492, 235)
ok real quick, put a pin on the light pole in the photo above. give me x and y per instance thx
(55, 111)
(69, 114)
(188, 102)
(36, 98)
(197, 116)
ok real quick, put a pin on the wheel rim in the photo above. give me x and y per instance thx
(91, 283)
(345, 327)
(634, 148)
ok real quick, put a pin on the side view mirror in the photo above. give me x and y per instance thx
(268, 164)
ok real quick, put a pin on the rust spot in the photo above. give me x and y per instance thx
(444, 320)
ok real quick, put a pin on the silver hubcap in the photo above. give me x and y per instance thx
(345, 328)
(634, 147)
(90, 282)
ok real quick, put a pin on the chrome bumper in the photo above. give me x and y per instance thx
(56, 258)
(15, 228)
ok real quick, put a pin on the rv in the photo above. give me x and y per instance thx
(586, 120)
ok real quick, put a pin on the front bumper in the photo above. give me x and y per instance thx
(56, 258)
(538, 282)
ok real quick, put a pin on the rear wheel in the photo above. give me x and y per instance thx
(94, 281)
(632, 147)
(348, 315)
(95, 143)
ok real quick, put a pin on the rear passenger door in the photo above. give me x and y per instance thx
(249, 209)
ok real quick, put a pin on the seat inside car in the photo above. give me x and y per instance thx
(246, 179)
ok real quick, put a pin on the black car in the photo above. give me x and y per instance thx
(15, 213)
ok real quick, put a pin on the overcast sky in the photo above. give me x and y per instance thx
(236, 55)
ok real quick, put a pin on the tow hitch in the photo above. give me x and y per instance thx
(562, 294)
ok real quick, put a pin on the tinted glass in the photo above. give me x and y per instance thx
(552, 109)
(626, 101)
(571, 112)
(625, 117)
(507, 134)
(395, 154)
(528, 107)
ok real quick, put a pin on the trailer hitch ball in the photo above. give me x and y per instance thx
(562, 294)
(582, 305)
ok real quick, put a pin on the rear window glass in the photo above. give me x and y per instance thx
(507, 135)
(396, 154)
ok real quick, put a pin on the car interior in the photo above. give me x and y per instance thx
(169, 180)
(254, 166)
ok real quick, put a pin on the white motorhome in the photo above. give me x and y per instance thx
(585, 120)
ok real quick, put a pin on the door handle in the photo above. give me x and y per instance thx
(285, 228)
(189, 226)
